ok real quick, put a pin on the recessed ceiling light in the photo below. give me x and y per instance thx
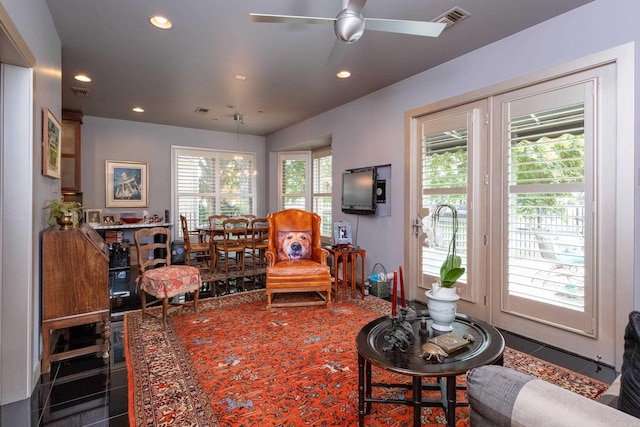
(138, 109)
(82, 78)
(160, 22)
(240, 77)
(343, 74)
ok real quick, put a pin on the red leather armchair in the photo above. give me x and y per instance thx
(296, 261)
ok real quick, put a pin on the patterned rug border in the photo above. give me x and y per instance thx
(190, 396)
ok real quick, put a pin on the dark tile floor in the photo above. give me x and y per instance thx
(87, 391)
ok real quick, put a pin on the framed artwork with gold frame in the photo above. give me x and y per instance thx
(51, 144)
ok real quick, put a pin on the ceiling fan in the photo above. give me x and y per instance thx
(349, 25)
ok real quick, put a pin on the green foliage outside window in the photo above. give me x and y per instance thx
(546, 161)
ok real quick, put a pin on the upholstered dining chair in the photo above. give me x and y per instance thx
(195, 247)
(158, 277)
(296, 261)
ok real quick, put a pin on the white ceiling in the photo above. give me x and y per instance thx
(173, 72)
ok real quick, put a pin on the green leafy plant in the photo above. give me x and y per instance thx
(58, 208)
(451, 269)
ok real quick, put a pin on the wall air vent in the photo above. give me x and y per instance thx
(453, 16)
(80, 91)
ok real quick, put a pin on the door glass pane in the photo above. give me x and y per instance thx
(444, 170)
(546, 207)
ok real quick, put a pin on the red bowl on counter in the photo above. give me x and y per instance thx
(131, 220)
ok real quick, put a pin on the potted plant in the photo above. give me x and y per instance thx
(443, 298)
(67, 214)
(451, 269)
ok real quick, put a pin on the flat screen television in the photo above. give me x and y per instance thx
(359, 191)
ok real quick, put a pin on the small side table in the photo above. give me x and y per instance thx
(347, 255)
(486, 349)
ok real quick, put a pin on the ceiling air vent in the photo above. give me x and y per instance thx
(80, 91)
(453, 16)
(202, 110)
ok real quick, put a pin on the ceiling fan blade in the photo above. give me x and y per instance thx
(336, 53)
(287, 19)
(416, 28)
(355, 5)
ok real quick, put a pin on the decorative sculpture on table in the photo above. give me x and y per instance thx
(400, 334)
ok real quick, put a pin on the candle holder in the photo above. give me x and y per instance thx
(399, 335)
(408, 313)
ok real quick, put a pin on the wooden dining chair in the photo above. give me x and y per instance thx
(215, 237)
(231, 249)
(158, 277)
(258, 243)
(196, 247)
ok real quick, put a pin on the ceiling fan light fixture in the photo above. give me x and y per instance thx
(160, 22)
(349, 26)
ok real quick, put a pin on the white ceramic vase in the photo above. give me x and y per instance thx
(442, 304)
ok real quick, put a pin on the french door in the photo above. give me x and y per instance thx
(532, 173)
(452, 148)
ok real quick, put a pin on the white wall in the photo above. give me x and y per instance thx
(109, 139)
(21, 344)
(370, 130)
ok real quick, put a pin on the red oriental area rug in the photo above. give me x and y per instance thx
(236, 364)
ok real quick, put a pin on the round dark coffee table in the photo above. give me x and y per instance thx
(487, 349)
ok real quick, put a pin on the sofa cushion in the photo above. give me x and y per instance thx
(611, 395)
(629, 400)
(294, 245)
(500, 396)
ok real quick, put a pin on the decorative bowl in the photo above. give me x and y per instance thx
(131, 220)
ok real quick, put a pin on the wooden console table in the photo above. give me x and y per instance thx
(348, 256)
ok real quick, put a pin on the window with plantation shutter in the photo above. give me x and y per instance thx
(294, 188)
(546, 202)
(211, 182)
(444, 179)
(322, 185)
(306, 183)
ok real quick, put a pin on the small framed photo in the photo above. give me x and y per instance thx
(93, 216)
(341, 233)
(127, 184)
(51, 144)
(109, 218)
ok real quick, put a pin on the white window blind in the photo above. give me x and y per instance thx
(294, 188)
(546, 206)
(210, 182)
(322, 188)
(444, 180)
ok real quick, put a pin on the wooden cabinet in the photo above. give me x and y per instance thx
(70, 154)
(75, 288)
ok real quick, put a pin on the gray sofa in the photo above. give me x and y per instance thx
(500, 396)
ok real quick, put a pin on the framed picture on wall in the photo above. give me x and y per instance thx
(51, 144)
(127, 184)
